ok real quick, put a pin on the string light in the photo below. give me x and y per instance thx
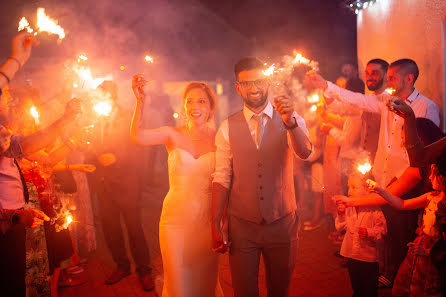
(357, 5)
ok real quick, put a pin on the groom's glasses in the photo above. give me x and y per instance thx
(260, 83)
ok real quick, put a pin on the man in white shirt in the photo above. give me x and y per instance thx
(253, 184)
(390, 159)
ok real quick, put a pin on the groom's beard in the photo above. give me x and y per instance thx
(255, 102)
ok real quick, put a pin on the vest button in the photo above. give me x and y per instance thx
(259, 164)
(261, 187)
(260, 175)
(261, 198)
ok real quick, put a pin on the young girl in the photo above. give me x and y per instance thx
(364, 227)
(417, 276)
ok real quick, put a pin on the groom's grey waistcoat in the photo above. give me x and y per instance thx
(262, 188)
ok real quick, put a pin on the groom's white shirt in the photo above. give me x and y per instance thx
(223, 156)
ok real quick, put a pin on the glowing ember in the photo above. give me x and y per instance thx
(103, 108)
(364, 168)
(46, 24)
(313, 98)
(313, 107)
(82, 58)
(24, 24)
(149, 59)
(269, 71)
(390, 91)
(69, 219)
(34, 113)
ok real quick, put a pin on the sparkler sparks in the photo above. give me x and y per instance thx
(299, 59)
(148, 59)
(390, 91)
(82, 57)
(313, 107)
(47, 24)
(24, 24)
(34, 113)
(269, 71)
(313, 98)
(364, 168)
(103, 108)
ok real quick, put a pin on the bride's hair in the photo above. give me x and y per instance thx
(207, 89)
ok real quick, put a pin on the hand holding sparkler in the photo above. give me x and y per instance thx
(31, 217)
(107, 159)
(401, 108)
(140, 86)
(285, 108)
(341, 199)
(417, 250)
(5, 139)
(88, 168)
(21, 46)
(371, 184)
(312, 78)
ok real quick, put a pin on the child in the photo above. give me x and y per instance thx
(417, 276)
(364, 227)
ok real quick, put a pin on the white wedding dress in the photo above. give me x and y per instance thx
(190, 265)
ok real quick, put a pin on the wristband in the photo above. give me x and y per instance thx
(17, 60)
(5, 76)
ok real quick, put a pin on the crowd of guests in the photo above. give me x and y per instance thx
(238, 182)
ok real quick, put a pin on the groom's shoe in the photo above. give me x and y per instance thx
(116, 276)
(147, 282)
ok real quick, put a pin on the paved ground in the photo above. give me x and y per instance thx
(318, 272)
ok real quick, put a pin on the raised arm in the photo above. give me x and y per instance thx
(398, 203)
(43, 138)
(368, 102)
(20, 53)
(138, 134)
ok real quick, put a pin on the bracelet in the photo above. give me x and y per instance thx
(17, 60)
(292, 126)
(5, 76)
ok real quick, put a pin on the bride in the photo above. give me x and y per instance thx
(190, 265)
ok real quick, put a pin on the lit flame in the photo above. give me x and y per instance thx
(390, 91)
(313, 98)
(69, 219)
(86, 77)
(24, 24)
(103, 108)
(46, 24)
(313, 107)
(82, 57)
(149, 59)
(299, 59)
(364, 168)
(269, 71)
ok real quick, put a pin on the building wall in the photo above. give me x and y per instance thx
(395, 29)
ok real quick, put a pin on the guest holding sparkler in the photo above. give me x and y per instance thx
(117, 183)
(417, 276)
(364, 227)
(14, 194)
(190, 266)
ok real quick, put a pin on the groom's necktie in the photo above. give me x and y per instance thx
(259, 128)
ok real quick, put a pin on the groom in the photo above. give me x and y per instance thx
(253, 189)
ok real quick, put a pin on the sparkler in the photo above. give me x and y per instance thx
(299, 59)
(313, 107)
(34, 113)
(269, 71)
(149, 59)
(364, 168)
(47, 24)
(103, 108)
(390, 91)
(82, 57)
(313, 98)
(44, 24)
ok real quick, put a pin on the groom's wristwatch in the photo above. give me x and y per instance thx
(295, 125)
